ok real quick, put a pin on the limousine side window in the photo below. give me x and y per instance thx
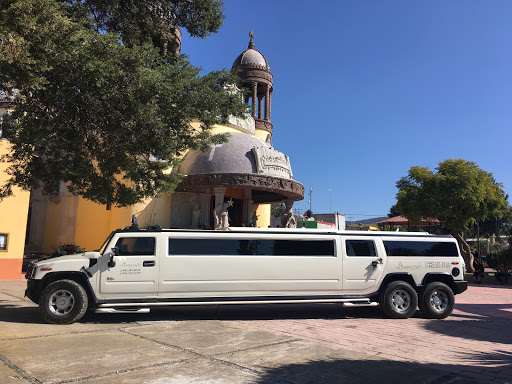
(136, 246)
(420, 248)
(360, 248)
(237, 247)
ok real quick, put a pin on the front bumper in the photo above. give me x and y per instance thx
(33, 291)
(460, 286)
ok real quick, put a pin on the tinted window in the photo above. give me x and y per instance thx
(136, 246)
(229, 247)
(360, 248)
(420, 248)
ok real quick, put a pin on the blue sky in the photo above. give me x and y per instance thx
(363, 90)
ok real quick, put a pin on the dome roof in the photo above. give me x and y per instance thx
(235, 156)
(251, 57)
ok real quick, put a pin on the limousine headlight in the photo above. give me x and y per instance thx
(455, 271)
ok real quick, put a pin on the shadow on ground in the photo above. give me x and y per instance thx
(10, 312)
(243, 312)
(492, 323)
(365, 372)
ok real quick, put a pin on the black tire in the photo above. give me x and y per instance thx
(436, 301)
(398, 300)
(63, 302)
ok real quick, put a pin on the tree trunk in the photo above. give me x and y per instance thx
(465, 250)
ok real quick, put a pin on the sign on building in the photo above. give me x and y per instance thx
(270, 162)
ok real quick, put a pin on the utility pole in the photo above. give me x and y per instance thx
(310, 193)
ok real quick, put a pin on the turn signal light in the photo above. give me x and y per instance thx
(46, 269)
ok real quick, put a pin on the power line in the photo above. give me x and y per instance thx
(361, 214)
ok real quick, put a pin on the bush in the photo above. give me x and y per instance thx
(495, 258)
(68, 249)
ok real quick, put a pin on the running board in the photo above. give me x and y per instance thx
(361, 304)
(125, 310)
(362, 301)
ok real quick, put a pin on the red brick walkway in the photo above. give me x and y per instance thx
(476, 340)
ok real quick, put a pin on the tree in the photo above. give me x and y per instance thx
(105, 101)
(458, 194)
(277, 210)
(393, 211)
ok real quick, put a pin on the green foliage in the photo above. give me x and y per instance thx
(393, 211)
(67, 249)
(487, 246)
(105, 105)
(458, 194)
(495, 258)
(277, 210)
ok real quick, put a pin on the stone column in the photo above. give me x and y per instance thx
(39, 205)
(267, 103)
(68, 209)
(254, 97)
(259, 107)
(270, 107)
(219, 200)
(247, 207)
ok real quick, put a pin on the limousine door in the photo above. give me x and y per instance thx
(363, 263)
(134, 270)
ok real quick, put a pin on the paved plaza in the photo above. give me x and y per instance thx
(321, 343)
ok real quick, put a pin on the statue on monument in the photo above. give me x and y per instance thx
(221, 216)
(288, 220)
(254, 219)
(196, 213)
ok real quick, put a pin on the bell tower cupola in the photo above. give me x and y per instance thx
(257, 83)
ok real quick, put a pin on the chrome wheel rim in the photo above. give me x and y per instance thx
(401, 300)
(61, 302)
(439, 301)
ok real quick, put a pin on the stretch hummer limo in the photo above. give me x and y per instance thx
(138, 269)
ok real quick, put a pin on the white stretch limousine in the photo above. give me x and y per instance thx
(137, 269)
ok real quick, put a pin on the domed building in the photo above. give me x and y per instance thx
(246, 172)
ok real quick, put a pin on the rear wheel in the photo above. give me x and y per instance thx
(63, 302)
(398, 300)
(437, 301)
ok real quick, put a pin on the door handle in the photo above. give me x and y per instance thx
(148, 263)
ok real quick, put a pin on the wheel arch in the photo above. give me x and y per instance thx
(442, 277)
(78, 277)
(403, 276)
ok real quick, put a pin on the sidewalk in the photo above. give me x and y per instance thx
(259, 344)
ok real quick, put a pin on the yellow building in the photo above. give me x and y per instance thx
(242, 176)
(13, 212)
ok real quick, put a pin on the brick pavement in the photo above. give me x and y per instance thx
(475, 341)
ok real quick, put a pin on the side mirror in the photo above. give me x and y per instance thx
(115, 252)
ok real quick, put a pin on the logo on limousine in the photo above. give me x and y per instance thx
(409, 267)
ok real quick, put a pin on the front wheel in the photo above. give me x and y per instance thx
(437, 301)
(398, 300)
(63, 302)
